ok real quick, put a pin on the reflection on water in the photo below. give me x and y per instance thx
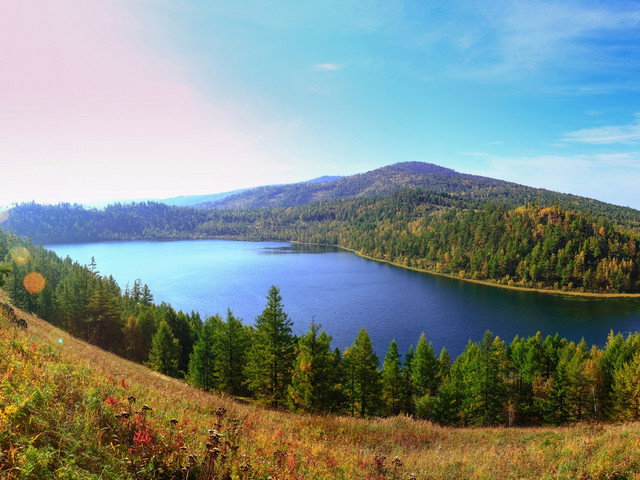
(299, 248)
(345, 292)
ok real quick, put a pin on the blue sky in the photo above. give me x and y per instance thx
(152, 99)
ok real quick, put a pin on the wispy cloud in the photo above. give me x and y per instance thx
(327, 67)
(613, 134)
(529, 40)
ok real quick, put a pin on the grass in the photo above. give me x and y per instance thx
(70, 410)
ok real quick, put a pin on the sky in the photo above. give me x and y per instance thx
(128, 99)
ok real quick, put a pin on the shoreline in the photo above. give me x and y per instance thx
(550, 291)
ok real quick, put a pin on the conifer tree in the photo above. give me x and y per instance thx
(165, 351)
(105, 322)
(363, 377)
(478, 376)
(626, 390)
(407, 381)
(312, 386)
(202, 372)
(4, 271)
(393, 386)
(233, 340)
(271, 355)
(424, 369)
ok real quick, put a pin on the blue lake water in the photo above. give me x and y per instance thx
(344, 293)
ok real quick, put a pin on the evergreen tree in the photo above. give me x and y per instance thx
(363, 377)
(105, 321)
(5, 270)
(393, 382)
(408, 405)
(479, 377)
(312, 386)
(424, 369)
(202, 372)
(232, 345)
(271, 355)
(626, 390)
(165, 351)
(183, 331)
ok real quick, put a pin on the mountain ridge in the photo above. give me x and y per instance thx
(418, 175)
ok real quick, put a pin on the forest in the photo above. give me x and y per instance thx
(529, 246)
(528, 381)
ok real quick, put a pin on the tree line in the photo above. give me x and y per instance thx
(531, 381)
(531, 246)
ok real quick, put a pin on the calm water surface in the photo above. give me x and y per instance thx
(344, 293)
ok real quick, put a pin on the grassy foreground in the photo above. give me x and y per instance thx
(69, 410)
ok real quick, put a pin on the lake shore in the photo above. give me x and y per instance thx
(551, 291)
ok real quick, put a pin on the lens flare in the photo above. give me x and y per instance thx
(20, 256)
(34, 282)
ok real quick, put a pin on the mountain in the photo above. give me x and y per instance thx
(418, 175)
(200, 201)
(323, 179)
(412, 214)
(195, 200)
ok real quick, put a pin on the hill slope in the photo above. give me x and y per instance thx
(418, 175)
(63, 406)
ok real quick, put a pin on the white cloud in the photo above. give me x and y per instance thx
(327, 67)
(613, 134)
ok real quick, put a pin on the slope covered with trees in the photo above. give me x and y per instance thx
(424, 176)
(528, 246)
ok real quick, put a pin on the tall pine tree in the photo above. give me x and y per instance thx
(271, 355)
(363, 386)
(312, 386)
(202, 372)
(165, 351)
(393, 382)
(232, 345)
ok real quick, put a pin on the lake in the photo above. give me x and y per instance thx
(344, 293)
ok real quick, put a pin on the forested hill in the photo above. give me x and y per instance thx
(417, 175)
(527, 246)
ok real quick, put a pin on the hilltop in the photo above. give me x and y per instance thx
(71, 410)
(416, 175)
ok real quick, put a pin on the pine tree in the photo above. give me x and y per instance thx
(4, 271)
(232, 345)
(478, 376)
(424, 369)
(626, 390)
(106, 324)
(312, 386)
(165, 351)
(271, 355)
(393, 385)
(362, 375)
(202, 373)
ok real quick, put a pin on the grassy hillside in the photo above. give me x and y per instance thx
(70, 410)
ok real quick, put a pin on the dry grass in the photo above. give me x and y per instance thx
(285, 445)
